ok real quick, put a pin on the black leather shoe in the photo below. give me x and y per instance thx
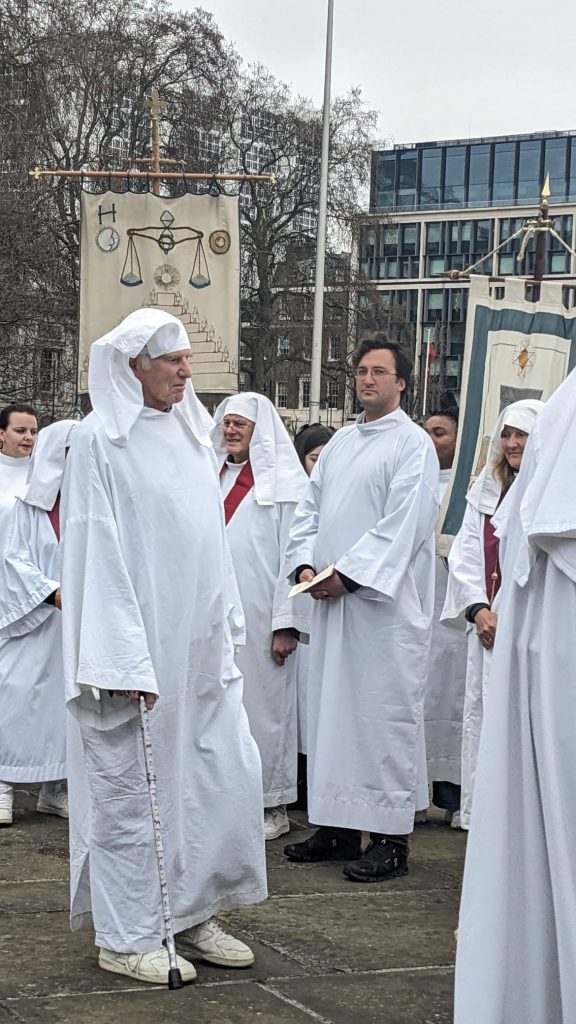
(381, 860)
(325, 844)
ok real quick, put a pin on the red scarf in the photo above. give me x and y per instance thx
(493, 576)
(54, 517)
(244, 482)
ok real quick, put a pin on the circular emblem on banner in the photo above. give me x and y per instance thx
(107, 239)
(166, 276)
(219, 242)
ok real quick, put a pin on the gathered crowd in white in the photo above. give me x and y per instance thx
(151, 550)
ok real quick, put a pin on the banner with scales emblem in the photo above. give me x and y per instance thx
(180, 254)
(514, 349)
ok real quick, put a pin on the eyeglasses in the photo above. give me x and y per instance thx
(377, 372)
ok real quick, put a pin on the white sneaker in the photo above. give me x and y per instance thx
(275, 822)
(208, 941)
(455, 820)
(53, 799)
(6, 802)
(152, 967)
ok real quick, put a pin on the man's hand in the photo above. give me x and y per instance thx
(58, 599)
(328, 589)
(284, 642)
(306, 575)
(149, 698)
(485, 622)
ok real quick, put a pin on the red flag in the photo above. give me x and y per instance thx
(431, 352)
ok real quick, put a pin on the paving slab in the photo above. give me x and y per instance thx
(366, 930)
(194, 1004)
(415, 997)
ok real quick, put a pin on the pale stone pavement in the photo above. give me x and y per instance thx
(328, 950)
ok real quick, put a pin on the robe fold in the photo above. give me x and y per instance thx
(444, 703)
(467, 586)
(149, 604)
(370, 508)
(258, 535)
(33, 717)
(517, 936)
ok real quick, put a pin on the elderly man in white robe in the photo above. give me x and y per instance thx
(517, 936)
(444, 702)
(148, 601)
(33, 719)
(369, 511)
(262, 481)
(474, 577)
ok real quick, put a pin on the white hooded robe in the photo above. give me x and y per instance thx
(33, 719)
(147, 599)
(258, 533)
(517, 936)
(370, 508)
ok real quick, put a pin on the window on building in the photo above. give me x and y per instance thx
(241, 380)
(409, 243)
(304, 393)
(385, 180)
(555, 153)
(529, 184)
(390, 240)
(332, 394)
(434, 305)
(504, 163)
(334, 347)
(281, 394)
(434, 239)
(283, 346)
(479, 176)
(454, 175)
(430, 177)
(408, 161)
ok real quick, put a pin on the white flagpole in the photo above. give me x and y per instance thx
(316, 363)
(426, 372)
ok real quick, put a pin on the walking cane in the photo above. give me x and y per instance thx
(174, 976)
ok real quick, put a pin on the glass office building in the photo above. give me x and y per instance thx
(440, 206)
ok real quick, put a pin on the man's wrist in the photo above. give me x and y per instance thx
(350, 584)
(473, 609)
(300, 570)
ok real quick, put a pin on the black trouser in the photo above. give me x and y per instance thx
(351, 833)
(446, 796)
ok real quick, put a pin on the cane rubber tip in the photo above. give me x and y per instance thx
(175, 978)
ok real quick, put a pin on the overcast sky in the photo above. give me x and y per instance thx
(435, 69)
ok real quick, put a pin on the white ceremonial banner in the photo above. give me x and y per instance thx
(514, 349)
(179, 254)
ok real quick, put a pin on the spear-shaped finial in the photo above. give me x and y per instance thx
(545, 193)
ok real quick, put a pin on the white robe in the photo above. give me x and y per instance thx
(517, 936)
(370, 508)
(13, 474)
(467, 586)
(33, 718)
(444, 703)
(147, 597)
(258, 536)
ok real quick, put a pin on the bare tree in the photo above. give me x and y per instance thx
(74, 75)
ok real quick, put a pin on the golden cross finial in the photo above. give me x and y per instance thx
(154, 104)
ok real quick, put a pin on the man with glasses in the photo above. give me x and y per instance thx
(370, 510)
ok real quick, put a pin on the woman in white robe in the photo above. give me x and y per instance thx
(33, 720)
(474, 576)
(517, 936)
(147, 604)
(309, 442)
(18, 430)
(258, 527)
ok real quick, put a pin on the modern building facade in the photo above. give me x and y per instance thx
(442, 206)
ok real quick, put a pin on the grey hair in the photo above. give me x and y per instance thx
(144, 358)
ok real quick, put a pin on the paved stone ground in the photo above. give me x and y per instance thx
(328, 950)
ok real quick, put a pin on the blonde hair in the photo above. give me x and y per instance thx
(502, 471)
